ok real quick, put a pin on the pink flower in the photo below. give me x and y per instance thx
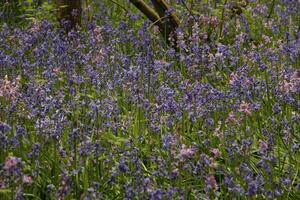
(211, 182)
(233, 79)
(2, 184)
(263, 146)
(27, 179)
(231, 118)
(245, 108)
(295, 81)
(35, 27)
(213, 22)
(8, 89)
(98, 33)
(216, 152)
(11, 162)
(292, 85)
(286, 87)
(186, 152)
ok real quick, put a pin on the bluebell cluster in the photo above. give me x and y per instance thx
(114, 113)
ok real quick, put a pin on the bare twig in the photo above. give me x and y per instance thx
(118, 4)
(189, 10)
(158, 21)
(271, 9)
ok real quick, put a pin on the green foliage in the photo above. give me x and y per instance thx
(45, 11)
(12, 12)
(20, 12)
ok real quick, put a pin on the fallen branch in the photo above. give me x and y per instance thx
(167, 23)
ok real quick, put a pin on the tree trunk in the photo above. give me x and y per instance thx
(69, 10)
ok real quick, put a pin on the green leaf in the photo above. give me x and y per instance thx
(114, 139)
(5, 191)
